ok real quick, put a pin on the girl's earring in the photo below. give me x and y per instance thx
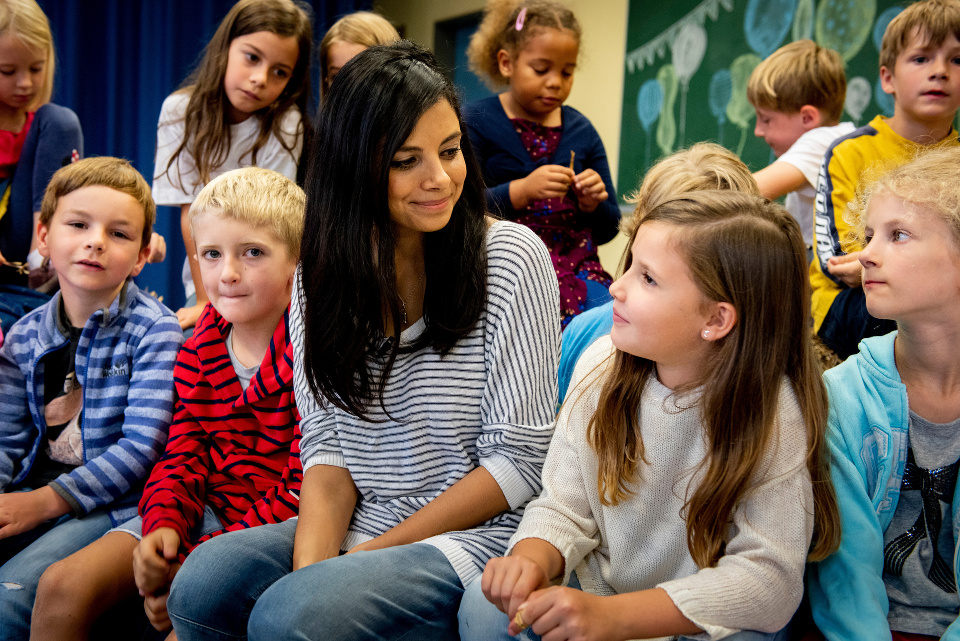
(706, 334)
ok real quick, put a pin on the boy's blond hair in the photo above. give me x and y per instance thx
(258, 197)
(26, 21)
(931, 21)
(106, 171)
(800, 73)
(931, 181)
(704, 166)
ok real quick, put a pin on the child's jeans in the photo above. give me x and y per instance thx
(480, 620)
(20, 575)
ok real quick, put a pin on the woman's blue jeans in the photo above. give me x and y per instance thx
(242, 584)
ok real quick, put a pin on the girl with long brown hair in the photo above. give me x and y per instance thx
(245, 104)
(687, 476)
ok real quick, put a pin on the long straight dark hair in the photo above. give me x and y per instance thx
(348, 277)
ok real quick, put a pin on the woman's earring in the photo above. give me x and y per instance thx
(706, 334)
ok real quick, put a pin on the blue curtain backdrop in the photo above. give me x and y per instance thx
(116, 62)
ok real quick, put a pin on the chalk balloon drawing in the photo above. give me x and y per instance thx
(721, 90)
(803, 21)
(844, 25)
(740, 111)
(667, 127)
(688, 49)
(881, 26)
(858, 97)
(649, 102)
(766, 23)
(883, 99)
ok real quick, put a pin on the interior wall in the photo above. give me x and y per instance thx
(598, 83)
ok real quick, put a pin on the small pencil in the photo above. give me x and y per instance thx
(572, 154)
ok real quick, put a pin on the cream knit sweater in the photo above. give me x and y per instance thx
(641, 543)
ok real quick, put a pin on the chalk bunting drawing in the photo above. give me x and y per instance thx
(645, 54)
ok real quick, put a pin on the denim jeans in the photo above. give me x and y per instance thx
(20, 575)
(480, 620)
(242, 583)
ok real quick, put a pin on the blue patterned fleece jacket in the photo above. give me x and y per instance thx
(124, 362)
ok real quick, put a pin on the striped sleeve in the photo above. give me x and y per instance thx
(521, 345)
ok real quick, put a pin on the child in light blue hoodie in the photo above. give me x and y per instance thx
(894, 424)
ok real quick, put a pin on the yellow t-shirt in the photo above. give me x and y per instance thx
(850, 163)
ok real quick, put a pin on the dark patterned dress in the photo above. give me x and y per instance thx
(554, 220)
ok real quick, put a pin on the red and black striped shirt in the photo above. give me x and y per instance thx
(233, 449)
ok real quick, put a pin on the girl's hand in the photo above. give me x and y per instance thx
(188, 316)
(566, 614)
(548, 181)
(847, 268)
(508, 581)
(589, 188)
(154, 561)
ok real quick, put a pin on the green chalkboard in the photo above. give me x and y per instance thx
(688, 61)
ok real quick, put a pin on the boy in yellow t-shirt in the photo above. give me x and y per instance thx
(920, 67)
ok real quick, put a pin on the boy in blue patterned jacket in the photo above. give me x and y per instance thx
(86, 381)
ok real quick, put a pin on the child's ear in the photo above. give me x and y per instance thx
(42, 231)
(722, 319)
(141, 261)
(810, 117)
(505, 62)
(886, 80)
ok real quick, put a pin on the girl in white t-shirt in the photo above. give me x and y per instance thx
(245, 104)
(687, 474)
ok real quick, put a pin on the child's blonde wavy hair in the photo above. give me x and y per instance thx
(502, 28)
(26, 21)
(931, 180)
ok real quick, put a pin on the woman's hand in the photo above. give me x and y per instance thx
(589, 189)
(566, 614)
(547, 181)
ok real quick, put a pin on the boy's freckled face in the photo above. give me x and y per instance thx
(246, 270)
(778, 129)
(93, 241)
(925, 80)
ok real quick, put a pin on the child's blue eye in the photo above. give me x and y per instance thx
(255, 252)
(900, 235)
(211, 254)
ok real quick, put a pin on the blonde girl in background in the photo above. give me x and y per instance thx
(37, 137)
(245, 104)
(894, 420)
(543, 162)
(348, 36)
(705, 165)
(687, 474)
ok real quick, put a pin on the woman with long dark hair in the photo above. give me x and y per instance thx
(426, 338)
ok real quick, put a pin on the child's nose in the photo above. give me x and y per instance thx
(231, 270)
(96, 239)
(616, 289)
(259, 74)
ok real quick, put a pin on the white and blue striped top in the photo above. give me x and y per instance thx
(490, 401)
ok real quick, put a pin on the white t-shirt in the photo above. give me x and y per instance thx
(806, 154)
(180, 185)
